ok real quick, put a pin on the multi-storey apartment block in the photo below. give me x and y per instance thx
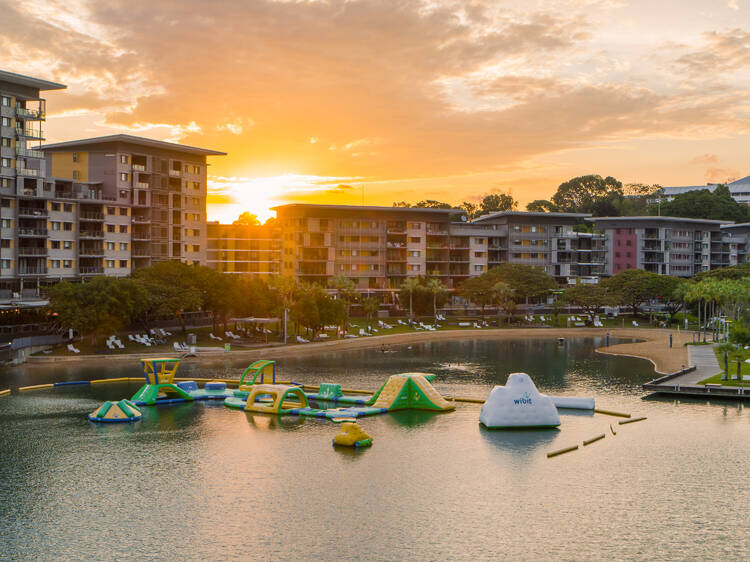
(739, 190)
(547, 240)
(253, 251)
(667, 245)
(157, 199)
(738, 238)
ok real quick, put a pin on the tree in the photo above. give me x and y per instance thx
(503, 294)
(496, 202)
(702, 204)
(170, 288)
(247, 219)
(634, 287)
(526, 281)
(579, 194)
(370, 307)
(432, 204)
(408, 287)
(103, 305)
(590, 298)
(478, 290)
(286, 288)
(541, 206)
(472, 210)
(347, 292)
(436, 287)
(219, 294)
(669, 291)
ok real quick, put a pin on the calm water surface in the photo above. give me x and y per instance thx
(200, 481)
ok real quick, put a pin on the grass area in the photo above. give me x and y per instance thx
(744, 369)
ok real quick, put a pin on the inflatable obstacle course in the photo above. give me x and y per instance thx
(518, 404)
(277, 399)
(262, 368)
(160, 387)
(122, 411)
(352, 435)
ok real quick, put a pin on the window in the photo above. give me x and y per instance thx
(111, 228)
(4, 182)
(6, 223)
(5, 162)
(123, 263)
(123, 194)
(56, 225)
(110, 210)
(617, 254)
(123, 176)
(123, 158)
(68, 244)
(75, 174)
(123, 211)
(111, 246)
(123, 246)
(413, 268)
(124, 228)
(478, 268)
(111, 264)
(55, 206)
(5, 243)
(68, 226)
(5, 264)
(75, 157)
(5, 142)
(55, 244)
(415, 253)
(415, 225)
(478, 254)
(415, 239)
(55, 264)
(67, 264)
(5, 122)
(5, 100)
(68, 207)
(628, 242)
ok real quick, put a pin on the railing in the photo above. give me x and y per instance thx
(139, 167)
(29, 113)
(91, 234)
(91, 252)
(29, 153)
(92, 216)
(29, 132)
(93, 269)
(32, 251)
(27, 172)
(32, 232)
(141, 185)
(141, 220)
(32, 271)
(175, 173)
(34, 213)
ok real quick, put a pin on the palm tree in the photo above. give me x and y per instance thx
(504, 298)
(435, 286)
(370, 307)
(410, 284)
(347, 290)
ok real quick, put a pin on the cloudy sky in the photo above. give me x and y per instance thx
(377, 101)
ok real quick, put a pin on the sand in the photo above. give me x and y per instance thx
(654, 347)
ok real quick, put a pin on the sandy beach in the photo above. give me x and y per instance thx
(654, 345)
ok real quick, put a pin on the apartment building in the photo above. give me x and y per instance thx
(155, 195)
(667, 245)
(253, 251)
(738, 238)
(546, 240)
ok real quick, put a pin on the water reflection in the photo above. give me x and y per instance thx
(523, 441)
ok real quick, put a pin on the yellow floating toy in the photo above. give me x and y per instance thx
(352, 436)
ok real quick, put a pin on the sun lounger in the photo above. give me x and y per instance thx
(73, 349)
(213, 337)
(300, 339)
(635, 323)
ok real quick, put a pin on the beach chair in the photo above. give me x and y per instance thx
(635, 324)
(300, 339)
(73, 349)
(176, 346)
(110, 345)
(213, 337)
(350, 336)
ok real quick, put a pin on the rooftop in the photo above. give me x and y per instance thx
(531, 214)
(365, 208)
(131, 139)
(13, 78)
(655, 218)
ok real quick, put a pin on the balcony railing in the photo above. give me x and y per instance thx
(92, 216)
(32, 232)
(141, 220)
(32, 213)
(26, 172)
(91, 234)
(32, 271)
(91, 270)
(175, 173)
(139, 167)
(29, 133)
(29, 113)
(32, 251)
(29, 153)
(141, 185)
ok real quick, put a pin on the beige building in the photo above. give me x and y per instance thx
(253, 251)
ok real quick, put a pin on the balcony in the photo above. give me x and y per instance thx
(175, 173)
(91, 253)
(139, 167)
(32, 213)
(141, 254)
(21, 171)
(141, 185)
(91, 270)
(32, 232)
(141, 236)
(141, 220)
(91, 234)
(28, 153)
(32, 270)
(25, 113)
(29, 133)
(92, 216)
(34, 251)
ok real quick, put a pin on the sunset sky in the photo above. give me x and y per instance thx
(381, 101)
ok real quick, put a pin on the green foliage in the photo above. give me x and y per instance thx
(739, 334)
(421, 295)
(101, 306)
(247, 219)
(370, 306)
(578, 195)
(740, 271)
(590, 298)
(314, 308)
(496, 202)
(171, 287)
(702, 204)
(478, 290)
(541, 206)
(634, 287)
(526, 281)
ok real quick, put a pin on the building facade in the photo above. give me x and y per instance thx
(739, 189)
(667, 245)
(253, 251)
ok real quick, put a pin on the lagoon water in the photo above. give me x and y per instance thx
(200, 481)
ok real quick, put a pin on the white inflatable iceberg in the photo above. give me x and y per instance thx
(518, 404)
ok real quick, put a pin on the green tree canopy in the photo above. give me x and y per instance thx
(525, 280)
(633, 286)
(702, 204)
(247, 219)
(589, 298)
(579, 194)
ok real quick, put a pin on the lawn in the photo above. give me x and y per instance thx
(745, 369)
